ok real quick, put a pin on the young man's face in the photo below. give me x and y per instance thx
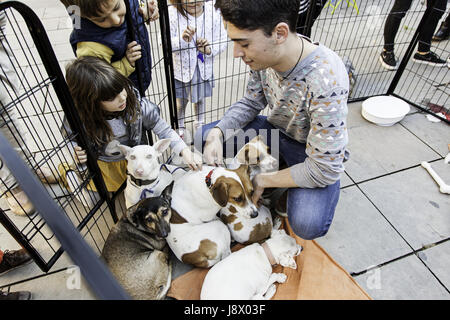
(112, 15)
(255, 49)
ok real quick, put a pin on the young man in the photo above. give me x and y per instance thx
(306, 87)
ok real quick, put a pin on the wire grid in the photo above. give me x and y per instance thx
(359, 36)
(40, 114)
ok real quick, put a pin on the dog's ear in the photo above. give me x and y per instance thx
(242, 156)
(219, 191)
(162, 145)
(133, 213)
(288, 261)
(124, 149)
(167, 192)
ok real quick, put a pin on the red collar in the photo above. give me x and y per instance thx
(208, 178)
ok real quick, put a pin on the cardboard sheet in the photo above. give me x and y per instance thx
(318, 277)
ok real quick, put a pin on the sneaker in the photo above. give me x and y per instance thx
(13, 259)
(19, 295)
(442, 34)
(431, 59)
(19, 203)
(388, 60)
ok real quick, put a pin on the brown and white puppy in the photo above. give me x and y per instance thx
(256, 155)
(136, 251)
(245, 229)
(197, 236)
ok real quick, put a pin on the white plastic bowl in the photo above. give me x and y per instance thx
(384, 110)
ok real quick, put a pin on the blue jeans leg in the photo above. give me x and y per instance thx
(310, 211)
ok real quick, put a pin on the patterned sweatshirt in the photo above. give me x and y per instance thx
(309, 106)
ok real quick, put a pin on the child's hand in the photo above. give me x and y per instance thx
(203, 46)
(80, 155)
(133, 52)
(149, 12)
(188, 34)
(193, 160)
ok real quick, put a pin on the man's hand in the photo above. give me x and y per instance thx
(188, 34)
(133, 52)
(258, 188)
(80, 155)
(149, 12)
(192, 159)
(203, 46)
(213, 151)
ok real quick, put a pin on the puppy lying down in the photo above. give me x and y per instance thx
(247, 274)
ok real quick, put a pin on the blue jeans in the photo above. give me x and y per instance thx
(310, 211)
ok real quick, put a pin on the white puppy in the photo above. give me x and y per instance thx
(145, 177)
(247, 274)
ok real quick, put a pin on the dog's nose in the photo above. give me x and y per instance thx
(139, 172)
(254, 213)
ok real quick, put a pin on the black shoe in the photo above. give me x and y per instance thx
(431, 59)
(13, 259)
(19, 295)
(442, 34)
(388, 61)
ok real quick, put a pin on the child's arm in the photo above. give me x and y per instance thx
(153, 121)
(99, 50)
(149, 12)
(219, 35)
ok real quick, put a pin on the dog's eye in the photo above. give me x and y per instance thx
(238, 199)
(165, 212)
(251, 193)
(133, 157)
(149, 156)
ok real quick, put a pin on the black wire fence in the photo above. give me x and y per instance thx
(354, 29)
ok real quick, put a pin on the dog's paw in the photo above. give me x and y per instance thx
(281, 277)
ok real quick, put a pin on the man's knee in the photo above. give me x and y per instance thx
(308, 231)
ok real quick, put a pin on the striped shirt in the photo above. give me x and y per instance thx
(304, 4)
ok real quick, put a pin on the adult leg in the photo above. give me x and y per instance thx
(393, 21)
(427, 32)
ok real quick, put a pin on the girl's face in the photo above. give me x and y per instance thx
(193, 7)
(119, 103)
(113, 14)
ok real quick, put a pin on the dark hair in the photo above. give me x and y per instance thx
(88, 8)
(92, 80)
(179, 5)
(259, 14)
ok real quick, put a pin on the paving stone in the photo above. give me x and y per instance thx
(398, 149)
(437, 259)
(405, 279)
(411, 201)
(359, 237)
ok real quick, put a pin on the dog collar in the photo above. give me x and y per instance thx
(208, 178)
(268, 253)
(140, 182)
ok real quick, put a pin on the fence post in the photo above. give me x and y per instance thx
(168, 65)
